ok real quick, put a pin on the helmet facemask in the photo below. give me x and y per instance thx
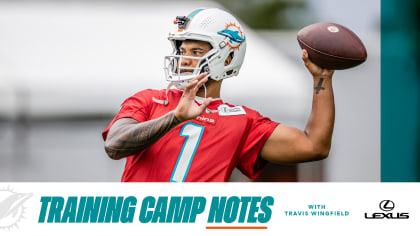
(179, 75)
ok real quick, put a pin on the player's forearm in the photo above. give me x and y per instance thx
(127, 136)
(320, 126)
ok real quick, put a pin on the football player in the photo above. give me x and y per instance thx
(190, 133)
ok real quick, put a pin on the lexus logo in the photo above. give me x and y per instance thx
(387, 205)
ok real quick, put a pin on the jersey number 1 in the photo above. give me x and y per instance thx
(193, 134)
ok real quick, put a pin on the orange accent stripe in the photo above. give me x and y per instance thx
(236, 227)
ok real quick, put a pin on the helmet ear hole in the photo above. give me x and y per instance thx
(229, 58)
(178, 44)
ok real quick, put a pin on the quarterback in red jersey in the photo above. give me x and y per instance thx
(189, 134)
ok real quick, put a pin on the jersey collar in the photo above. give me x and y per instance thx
(200, 100)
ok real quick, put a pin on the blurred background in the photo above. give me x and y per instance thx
(66, 66)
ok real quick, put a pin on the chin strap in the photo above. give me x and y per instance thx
(166, 101)
(208, 111)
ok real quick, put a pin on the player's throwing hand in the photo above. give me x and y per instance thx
(187, 108)
(313, 68)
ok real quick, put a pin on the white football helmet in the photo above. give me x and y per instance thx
(221, 30)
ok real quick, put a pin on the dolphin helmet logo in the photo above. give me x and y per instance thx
(233, 35)
(11, 207)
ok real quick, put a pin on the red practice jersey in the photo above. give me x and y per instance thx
(205, 149)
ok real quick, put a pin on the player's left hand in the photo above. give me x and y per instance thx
(187, 108)
(314, 69)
